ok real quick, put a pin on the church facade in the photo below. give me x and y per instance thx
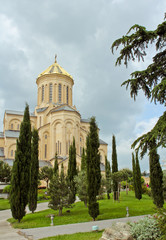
(56, 119)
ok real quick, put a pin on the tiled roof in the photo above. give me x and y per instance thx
(41, 109)
(1, 152)
(102, 142)
(1, 135)
(43, 163)
(12, 134)
(85, 120)
(63, 108)
(21, 113)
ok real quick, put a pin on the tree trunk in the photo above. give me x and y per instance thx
(108, 195)
(60, 212)
(85, 202)
(126, 189)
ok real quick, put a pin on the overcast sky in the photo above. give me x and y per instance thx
(81, 33)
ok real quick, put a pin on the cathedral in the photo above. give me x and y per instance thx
(56, 119)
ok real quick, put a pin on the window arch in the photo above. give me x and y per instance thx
(50, 92)
(67, 95)
(60, 92)
(42, 93)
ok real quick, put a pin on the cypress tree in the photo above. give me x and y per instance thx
(93, 169)
(108, 177)
(156, 176)
(33, 191)
(138, 187)
(56, 169)
(72, 171)
(114, 167)
(83, 161)
(20, 181)
(133, 166)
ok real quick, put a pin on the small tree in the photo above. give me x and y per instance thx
(108, 177)
(33, 190)
(156, 176)
(83, 161)
(59, 192)
(72, 171)
(46, 174)
(114, 167)
(81, 185)
(20, 180)
(134, 174)
(5, 172)
(93, 168)
(56, 169)
(138, 184)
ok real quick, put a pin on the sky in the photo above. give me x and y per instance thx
(81, 33)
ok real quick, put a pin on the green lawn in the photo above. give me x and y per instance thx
(4, 204)
(77, 236)
(108, 210)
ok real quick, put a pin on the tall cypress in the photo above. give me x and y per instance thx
(20, 180)
(33, 191)
(156, 176)
(72, 171)
(138, 184)
(133, 166)
(83, 161)
(93, 168)
(108, 177)
(114, 167)
(56, 169)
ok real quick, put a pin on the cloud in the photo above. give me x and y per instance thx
(81, 34)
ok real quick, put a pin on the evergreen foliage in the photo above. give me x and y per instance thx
(152, 80)
(46, 174)
(138, 183)
(114, 166)
(93, 168)
(108, 177)
(59, 192)
(72, 171)
(5, 172)
(83, 161)
(34, 167)
(56, 169)
(133, 166)
(20, 180)
(156, 176)
(81, 185)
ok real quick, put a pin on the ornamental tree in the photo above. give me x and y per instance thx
(114, 167)
(20, 180)
(34, 172)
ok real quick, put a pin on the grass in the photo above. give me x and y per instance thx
(77, 236)
(77, 214)
(4, 204)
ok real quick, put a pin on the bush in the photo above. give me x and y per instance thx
(7, 189)
(43, 194)
(146, 229)
(161, 219)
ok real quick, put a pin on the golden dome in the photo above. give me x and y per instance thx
(55, 68)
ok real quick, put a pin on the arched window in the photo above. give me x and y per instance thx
(67, 95)
(60, 92)
(18, 126)
(42, 93)
(50, 92)
(11, 153)
(12, 126)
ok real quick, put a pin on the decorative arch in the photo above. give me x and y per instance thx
(14, 124)
(11, 150)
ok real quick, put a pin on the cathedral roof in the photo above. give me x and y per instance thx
(2, 152)
(102, 142)
(13, 112)
(64, 108)
(12, 134)
(55, 68)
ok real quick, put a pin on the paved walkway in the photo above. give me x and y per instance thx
(8, 233)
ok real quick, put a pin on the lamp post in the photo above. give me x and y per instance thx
(127, 209)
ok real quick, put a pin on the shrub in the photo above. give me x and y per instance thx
(7, 189)
(146, 229)
(161, 219)
(43, 194)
